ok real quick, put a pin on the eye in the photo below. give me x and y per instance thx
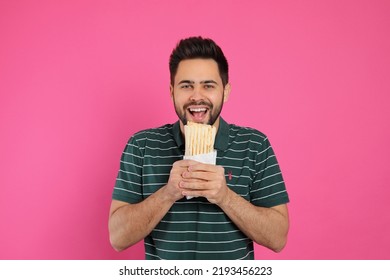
(186, 86)
(209, 86)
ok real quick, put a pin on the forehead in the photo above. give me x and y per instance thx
(198, 69)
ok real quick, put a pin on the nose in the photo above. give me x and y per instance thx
(196, 93)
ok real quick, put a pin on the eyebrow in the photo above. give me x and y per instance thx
(208, 82)
(202, 82)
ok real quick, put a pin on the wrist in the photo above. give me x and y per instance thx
(166, 196)
(226, 199)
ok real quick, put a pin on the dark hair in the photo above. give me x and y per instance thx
(198, 47)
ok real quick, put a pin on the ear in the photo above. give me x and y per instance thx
(171, 91)
(226, 92)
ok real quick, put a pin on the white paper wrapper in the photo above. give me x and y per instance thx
(210, 158)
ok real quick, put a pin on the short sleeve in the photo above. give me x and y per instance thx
(268, 188)
(128, 186)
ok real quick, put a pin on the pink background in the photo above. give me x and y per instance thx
(78, 78)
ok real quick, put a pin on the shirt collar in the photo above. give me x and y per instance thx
(177, 134)
(221, 139)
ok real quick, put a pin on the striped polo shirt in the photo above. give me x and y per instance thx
(196, 228)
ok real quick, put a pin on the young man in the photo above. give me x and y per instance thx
(240, 200)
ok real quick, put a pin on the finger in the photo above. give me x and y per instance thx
(201, 175)
(189, 162)
(193, 185)
(193, 181)
(185, 163)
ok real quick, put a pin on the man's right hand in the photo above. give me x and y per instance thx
(172, 188)
(130, 223)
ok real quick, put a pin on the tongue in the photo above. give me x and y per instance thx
(198, 115)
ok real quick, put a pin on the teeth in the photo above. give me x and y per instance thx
(198, 109)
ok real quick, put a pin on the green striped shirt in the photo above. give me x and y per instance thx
(195, 228)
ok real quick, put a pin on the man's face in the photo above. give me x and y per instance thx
(198, 93)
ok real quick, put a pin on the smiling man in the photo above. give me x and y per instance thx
(240, 200)
(198, 91)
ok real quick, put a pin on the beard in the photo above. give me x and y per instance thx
(213, 111)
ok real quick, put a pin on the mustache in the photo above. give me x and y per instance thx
(198, 103)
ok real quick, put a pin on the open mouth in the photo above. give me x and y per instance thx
(198, 113)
